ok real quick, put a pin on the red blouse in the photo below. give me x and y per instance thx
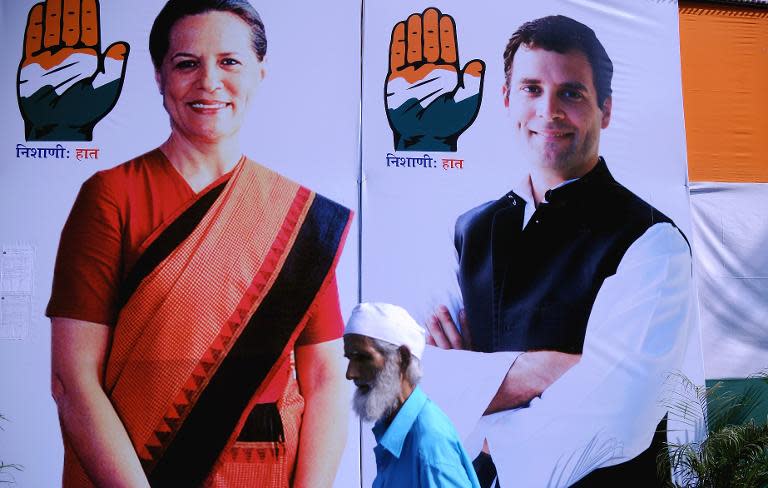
(113, 215)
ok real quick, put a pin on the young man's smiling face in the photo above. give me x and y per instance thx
(552, 100)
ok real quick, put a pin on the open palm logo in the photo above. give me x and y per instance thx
(66, 85)
(430, 100)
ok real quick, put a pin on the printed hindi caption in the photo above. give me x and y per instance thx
(57, 152)
(425, 162)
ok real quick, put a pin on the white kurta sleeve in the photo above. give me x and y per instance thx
(463, 383)
(604, 410)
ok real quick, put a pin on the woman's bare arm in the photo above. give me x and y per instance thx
(88, 420)
(320, 372)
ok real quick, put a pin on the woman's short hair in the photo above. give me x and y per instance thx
(174, 10)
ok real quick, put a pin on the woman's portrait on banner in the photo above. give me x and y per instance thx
(195, 308)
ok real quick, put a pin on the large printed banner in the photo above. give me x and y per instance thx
(80, 95)
(521, 174)
(471, 143)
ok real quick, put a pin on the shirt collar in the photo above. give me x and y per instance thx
(523, 187)
(392, 437)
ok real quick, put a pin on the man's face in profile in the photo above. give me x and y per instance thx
(552, 100)
(377, 378)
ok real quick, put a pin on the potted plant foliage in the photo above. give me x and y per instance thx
(734, 453)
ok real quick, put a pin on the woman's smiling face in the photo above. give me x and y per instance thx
(208, 76)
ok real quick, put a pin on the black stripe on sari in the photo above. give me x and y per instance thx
(176, 232)
(189, 458)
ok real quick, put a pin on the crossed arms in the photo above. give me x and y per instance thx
(608, 397)
(528, 376)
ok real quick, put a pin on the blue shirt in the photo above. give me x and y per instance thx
(421, 449)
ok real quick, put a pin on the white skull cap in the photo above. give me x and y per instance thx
(388, 323)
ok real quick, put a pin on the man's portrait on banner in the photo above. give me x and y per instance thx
(586, 281)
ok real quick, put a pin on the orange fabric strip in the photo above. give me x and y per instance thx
(725, 73)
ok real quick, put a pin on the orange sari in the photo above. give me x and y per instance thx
(212, 310)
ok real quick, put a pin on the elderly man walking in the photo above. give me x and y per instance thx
(417, 445)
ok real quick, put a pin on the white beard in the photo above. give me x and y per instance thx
(383, 396)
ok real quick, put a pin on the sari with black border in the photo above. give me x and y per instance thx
(212, 309)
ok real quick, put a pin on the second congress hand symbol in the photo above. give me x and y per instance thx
(430, 99)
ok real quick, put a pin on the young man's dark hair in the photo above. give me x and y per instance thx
(562, 34)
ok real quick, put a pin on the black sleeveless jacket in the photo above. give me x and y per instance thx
(533, 288)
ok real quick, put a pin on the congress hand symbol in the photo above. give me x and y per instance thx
(430, 100)
(66, 85)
